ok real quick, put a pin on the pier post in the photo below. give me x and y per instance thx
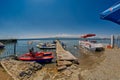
(15, 48)
(112, 41)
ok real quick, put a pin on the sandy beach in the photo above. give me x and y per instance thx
(4, 75)
(59, 40)
(94, 66)
(107, 69)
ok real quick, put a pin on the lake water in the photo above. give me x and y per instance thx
(22, 46)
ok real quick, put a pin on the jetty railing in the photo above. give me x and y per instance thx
(22, 46)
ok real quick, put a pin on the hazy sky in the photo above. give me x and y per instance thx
(44, 18)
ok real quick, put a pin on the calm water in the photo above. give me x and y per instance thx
(22, 46)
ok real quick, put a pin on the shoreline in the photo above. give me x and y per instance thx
(96, 66)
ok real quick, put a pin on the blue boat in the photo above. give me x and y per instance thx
(112, 14)
(2, 45)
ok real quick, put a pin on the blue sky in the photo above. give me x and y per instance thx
(47, 18)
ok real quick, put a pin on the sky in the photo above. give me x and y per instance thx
(49, 18)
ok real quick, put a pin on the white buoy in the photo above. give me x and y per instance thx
(112, 41)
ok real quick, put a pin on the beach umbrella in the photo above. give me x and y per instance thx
(112, 14)
(88, 35)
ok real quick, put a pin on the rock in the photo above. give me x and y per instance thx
(38, 67)
(76, 62)
(67, 72)
(20, 70)
(32, 69)
(22, 74)
(64, 63)
(73, 66)
(35, 67)
(61, 68)
(29, 72)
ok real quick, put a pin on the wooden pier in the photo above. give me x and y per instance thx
(64, 58)
(8, 40)
(62, 54)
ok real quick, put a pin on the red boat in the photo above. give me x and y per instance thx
(37, 56)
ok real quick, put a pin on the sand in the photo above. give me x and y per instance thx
(4, 75)
(106, 69)
(93, 66)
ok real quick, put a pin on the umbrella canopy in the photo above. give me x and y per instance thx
(88, 35)
(112, 14)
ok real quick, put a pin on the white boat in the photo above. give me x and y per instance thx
(46, 45)
(91, 45)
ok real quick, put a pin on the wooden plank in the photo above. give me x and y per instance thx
(60, 68)
(62, 54)
(65, 63)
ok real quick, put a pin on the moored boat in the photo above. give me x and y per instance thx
(46, 45)
(37, 56)
(91, 45)
(1, 45)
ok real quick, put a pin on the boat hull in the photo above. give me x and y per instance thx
(38, 57)
(46, 47)
(91, 46)
(1, 47)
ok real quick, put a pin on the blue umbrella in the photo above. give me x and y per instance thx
(112, 14)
